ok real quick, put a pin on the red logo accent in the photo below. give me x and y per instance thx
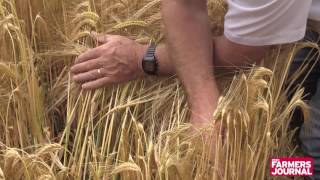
(291, 167)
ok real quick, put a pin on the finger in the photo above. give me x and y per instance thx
(99, 83)
(87, 76)
(85, 66)
(101, 38)
(90, 54)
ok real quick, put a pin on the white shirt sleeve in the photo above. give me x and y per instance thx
(266, 22)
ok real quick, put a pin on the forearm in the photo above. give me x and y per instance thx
(226, 55)
(191, 50)
(166, 66)
(232, 55)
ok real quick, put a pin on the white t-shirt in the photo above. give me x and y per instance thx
(268, 22)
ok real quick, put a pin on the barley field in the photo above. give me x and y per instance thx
(51, 130)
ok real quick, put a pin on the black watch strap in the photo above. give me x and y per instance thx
(150, 62)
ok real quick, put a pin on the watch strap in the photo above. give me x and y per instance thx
(149, 62)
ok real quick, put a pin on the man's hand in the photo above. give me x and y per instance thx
(116, 60)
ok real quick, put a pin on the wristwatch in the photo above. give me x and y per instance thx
(149, 62)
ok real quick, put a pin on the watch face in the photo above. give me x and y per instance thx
(149, 66)
(149, 62)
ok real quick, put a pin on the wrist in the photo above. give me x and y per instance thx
(203, 102)
(150, 64)
(140, 52)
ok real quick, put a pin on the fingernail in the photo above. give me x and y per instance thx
(84, 87)
(93, 33)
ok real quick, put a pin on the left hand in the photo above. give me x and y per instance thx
(117, 60)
